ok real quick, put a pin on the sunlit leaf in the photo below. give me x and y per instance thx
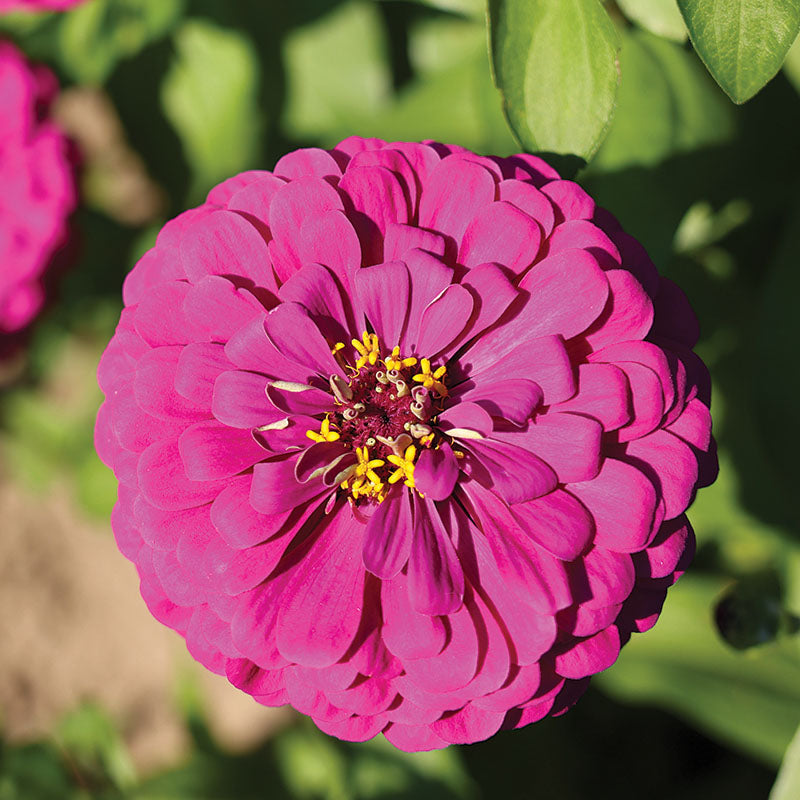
(555, 64)
(787, 786)
(662, 17)
(750, 700)
(336, 70)
(666, 104)
(742, 42)
(98, 34)
(791, 66)
(210, 97)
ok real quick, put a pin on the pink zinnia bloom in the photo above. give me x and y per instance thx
(405, 437)
(37, 5)
(38, 187)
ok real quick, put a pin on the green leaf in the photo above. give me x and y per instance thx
(751, 701)
(791, 67)
(98, 34)
(661, 17)
(555, 64)
(336, 70)
(787, 786)
(742, 42)
(666, 104)
(210, 97)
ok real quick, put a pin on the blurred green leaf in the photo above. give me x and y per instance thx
(777, 335)
(311, 765)
(210, 96)
(337, 71)
(750, 700)
(98, 34)
(666, 104)
(791, 66)
(34, 772)
(95, 748)
(555, 64)
(787, 786)
(437, 43)
(661, 17)
(469, 8)
(742, 42)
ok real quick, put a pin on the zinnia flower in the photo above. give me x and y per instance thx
(405, 437)
(38, 183)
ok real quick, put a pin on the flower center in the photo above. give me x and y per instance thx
(384, 413)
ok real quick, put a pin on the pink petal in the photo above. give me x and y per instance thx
(159, 318)
(330, 239)
(154, 387)
(435, 577)
(376, 198)
(134, 429)
(602, 394)
(250, 678)
(367, 697)
(407, 633)
(305, 400)
(659, 560)
(628, 313)
(240, 400)
(355, 144)
(253, 200)
(157, 265)
(670, 464)
(694, 424)
(444, 319)
(590, 656)
(469, 724)
(674, 318)
(413, 738)
(468, 416)
(429, 278)
(492, 293)
(315, 288)
(225, 243)
(451, 669)
(353, 729)
(515, 473)
(164, 482)
(503, 234)
(307, 162)
(583, 235)
(622, 502)
(388, 535)
(456, 190)
(383, 294)
(316, 459)
(211, 450)
(436, 472)
(558, 522)
(398, 165)
(399, 239)
(217, 309)
(521, 685)
(294, 334)
(529, 199)
(322, 608)
(570, 200)
(568, 291)
(514, 399)
(199, 365)
(610, 576)
(275, 488)
(525, 167)
(238, 523)
(292, 205)
(569, 443)
(222, 193)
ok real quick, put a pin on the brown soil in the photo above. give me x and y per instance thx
(73, 628)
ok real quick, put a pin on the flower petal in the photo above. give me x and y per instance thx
(388, 535)
(436, 472)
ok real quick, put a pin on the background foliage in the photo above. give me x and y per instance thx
(638, 98)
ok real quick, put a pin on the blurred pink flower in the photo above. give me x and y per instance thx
(37, 5)
(38, 181)
(405, 437)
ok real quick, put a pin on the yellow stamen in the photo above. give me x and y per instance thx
(325, 433)
(405, 466)
(368, 348)
(395, 362)
(431, 380)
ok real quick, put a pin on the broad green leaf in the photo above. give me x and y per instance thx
(336, 70)
(662, 17)
(750, 700)
(98, 34)
(742, 42)
(210, 97)
(555, 64)
(666, 104)
(787, 786)
(791, 66)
